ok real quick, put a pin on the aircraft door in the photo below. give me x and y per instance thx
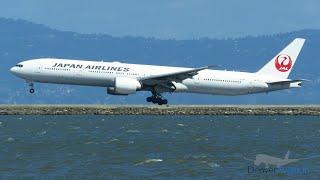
(251, 86)
(79, 74)
(38, 69)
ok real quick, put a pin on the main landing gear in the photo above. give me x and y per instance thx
(31, 90)
(156, 99)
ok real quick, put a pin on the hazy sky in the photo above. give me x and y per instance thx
(182, 19)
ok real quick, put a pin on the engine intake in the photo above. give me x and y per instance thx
(124, 86)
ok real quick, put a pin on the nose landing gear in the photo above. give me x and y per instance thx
(31, 90)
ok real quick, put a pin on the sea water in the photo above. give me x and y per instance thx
(233, 147)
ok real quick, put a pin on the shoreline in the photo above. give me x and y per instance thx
(313, 110)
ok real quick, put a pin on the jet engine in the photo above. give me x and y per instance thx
(124, 86)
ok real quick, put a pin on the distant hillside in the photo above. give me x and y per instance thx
(21, 40)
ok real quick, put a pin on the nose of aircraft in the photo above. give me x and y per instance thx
(13, 70)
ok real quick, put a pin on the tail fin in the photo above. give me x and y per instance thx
(281, 65)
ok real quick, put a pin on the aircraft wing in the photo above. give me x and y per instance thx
(179, 75)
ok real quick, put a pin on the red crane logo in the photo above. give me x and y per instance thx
(283, 63)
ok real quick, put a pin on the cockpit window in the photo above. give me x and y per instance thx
(19, 65)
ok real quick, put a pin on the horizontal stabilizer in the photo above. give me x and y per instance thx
(286, 82)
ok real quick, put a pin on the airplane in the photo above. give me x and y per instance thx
(124, 79)
(268, 160)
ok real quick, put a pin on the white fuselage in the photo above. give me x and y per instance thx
(103, 74)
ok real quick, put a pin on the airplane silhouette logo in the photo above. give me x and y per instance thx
(268, 160)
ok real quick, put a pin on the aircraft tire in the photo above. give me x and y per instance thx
(154, 101)
(149, 99)
(31, 90)
(165, 101)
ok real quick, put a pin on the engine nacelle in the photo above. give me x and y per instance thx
(124, 86)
